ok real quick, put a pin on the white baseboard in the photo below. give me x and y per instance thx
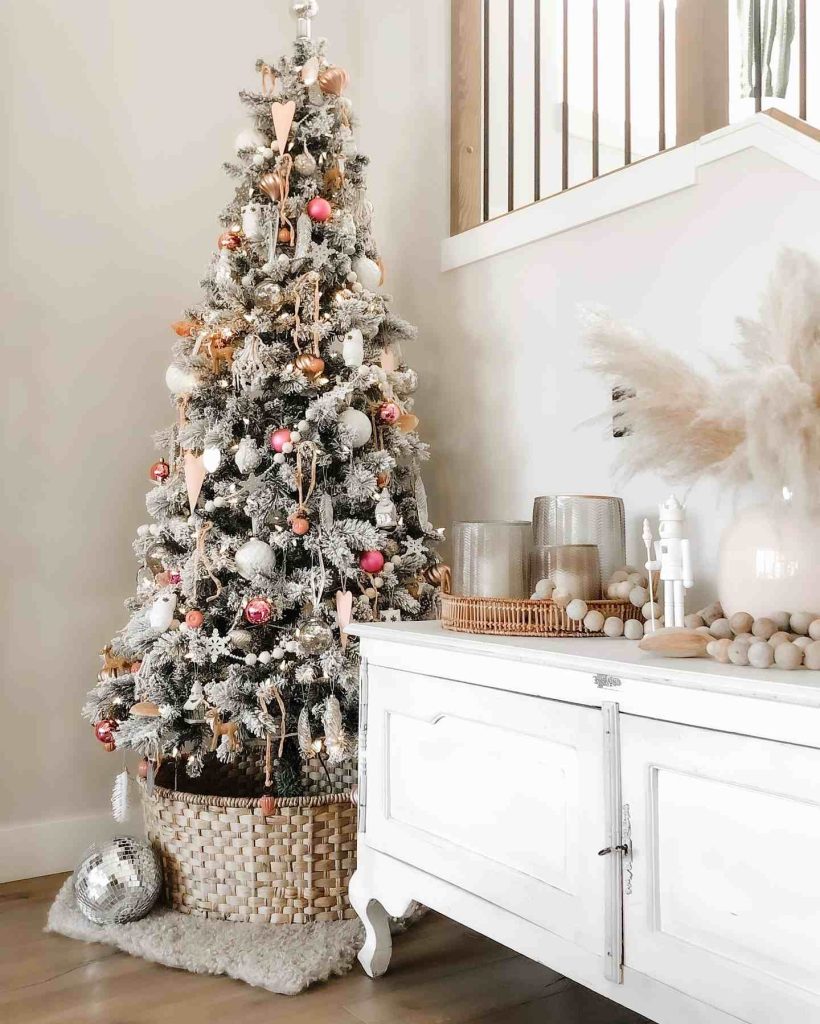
(46, 847)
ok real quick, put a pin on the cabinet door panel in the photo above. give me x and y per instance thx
(725, 898)
(499, 793)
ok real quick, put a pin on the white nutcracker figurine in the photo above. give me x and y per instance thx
(672, 560)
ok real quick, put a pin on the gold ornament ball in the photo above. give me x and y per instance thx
(333, 80)
(271, 185)
(311, 366)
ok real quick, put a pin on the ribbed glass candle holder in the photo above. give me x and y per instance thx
(491, 559)
(573, 568)
(560, 519)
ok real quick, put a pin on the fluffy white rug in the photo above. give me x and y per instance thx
(280, 958)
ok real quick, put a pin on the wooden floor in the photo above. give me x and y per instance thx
(441, 973)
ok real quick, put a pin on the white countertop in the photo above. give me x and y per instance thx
(602, 655)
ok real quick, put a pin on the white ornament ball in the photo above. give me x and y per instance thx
(295, 436)
(279, 458)
(788, 656)
(721, 630)
(646, 611)
(264, 657)
(357, 425)
(760, 654)
(396, 559)
(638, 596)
(250, 659)
(561, 597)
(277, 654)
(544, 589)
(249, 138)
(577, 610)
(247, 456)
(161, 613)
(612, 591)
(614, 626)
(637, 578)
(303, 426)
(353, 347)
(623, 590)
(801, 621)
(811, 655)
(219, 501)
(594, 621)
(144, 530)
(257, 159)
(154, 530)
(211, 459)
(633, 629)
(255, 556)
(180, 381)
(619, 576)
(287, 448)
(368, 272)
(292, 647)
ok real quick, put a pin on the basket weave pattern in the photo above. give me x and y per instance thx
(223, 858)
(513, 617)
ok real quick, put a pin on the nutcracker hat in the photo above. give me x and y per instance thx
(671, 511)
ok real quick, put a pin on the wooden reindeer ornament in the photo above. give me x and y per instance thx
(220, 729)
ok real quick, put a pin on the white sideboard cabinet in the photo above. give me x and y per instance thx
(649, 828)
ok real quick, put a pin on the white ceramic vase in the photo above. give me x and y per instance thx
(769, 561)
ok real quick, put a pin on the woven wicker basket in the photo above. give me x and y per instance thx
(512, 617)
(223, 858)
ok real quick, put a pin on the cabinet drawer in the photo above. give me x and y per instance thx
(499, 793)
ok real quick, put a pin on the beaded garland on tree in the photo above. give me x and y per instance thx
(289, 500)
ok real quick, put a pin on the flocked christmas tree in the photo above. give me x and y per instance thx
(288, 501)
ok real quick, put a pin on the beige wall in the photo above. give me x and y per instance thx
(120, 116)
(503, 394)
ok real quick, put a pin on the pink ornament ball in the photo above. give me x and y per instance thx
(258, 611)
(389, 412)
(319, 209)
(278, 439)
(371, 561)
(174, 578)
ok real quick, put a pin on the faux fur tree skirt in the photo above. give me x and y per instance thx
(281, 958)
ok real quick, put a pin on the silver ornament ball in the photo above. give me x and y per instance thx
(315, 637)
(118, 881)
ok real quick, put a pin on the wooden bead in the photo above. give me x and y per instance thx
(721, 629)
(788, 656)
(760, 654)
(613, 626)
(779, 638)
(782, 620)
(763, 628)
(811, 655)
(633, 629)
(594, 621)
(623, 590)
(800, 622)
(638, 596)
(802, 642)
(738, 653)
(712, 612)
(693, 621)
(719, 650)
(814, 630)
(619, 576)
(741, 622)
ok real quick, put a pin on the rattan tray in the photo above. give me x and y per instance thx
(512, 617)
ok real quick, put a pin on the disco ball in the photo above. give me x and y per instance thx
(118, 881)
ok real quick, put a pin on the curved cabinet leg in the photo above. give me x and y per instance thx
(374, 955)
